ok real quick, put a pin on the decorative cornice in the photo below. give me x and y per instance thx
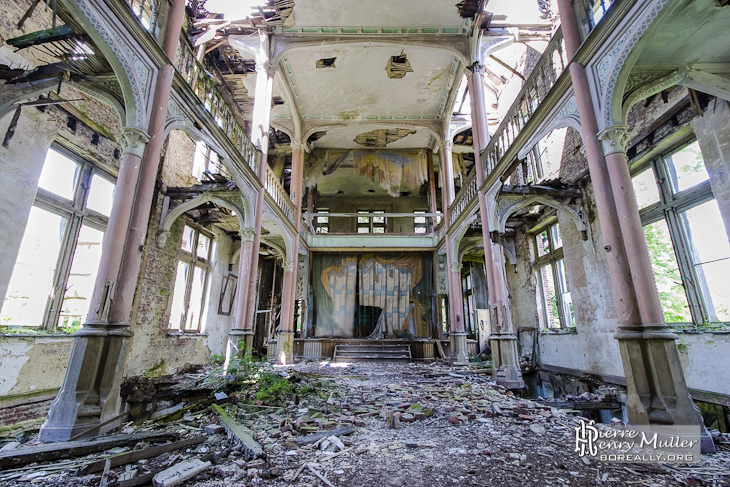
(134, 141)
(614, 139)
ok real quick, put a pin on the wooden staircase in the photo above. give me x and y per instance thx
(372, 352)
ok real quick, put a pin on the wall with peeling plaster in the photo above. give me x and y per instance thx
(32, 364)
(152, 348)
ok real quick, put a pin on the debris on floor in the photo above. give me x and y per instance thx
(333, 424)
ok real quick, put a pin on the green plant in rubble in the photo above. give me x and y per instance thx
(272, 388)
(246, 367)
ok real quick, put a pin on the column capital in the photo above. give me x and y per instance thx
(475, 68)
(134, 141)
(267, 68)
(447, 145)
(296, 145)
(289, 266)
(456, 267)
(247, 234)
(614, 139)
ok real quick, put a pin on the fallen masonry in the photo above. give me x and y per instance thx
(333, 424)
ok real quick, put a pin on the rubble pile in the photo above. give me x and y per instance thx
(317, 424)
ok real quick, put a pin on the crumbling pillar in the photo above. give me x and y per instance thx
(260, 137)
(503, 339)
(89, 400)
(457, 334)
(657, 393)
(285, 339)
(241, 335)
(651, 361)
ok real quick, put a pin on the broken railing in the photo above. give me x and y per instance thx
(541, 80)
(202, 85)
(543, 77)
(278, 193)
(465, 195)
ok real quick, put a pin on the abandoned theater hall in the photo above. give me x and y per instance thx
(534, 192)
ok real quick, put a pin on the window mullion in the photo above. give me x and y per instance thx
(63, 269)
(686, 266)
(82, 189)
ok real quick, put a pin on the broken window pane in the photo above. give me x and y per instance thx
(710, 255)
(666, 273)
(203, 247)
(646, 191)
(59, 175)
(35, 267)
(566, 302)
(177, 311)
(686, 168)
(543, 243)
(188, 238)
(80, 285)
(196, 299)
(101, 194)
(549, 301)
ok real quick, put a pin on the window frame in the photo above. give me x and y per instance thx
(77, 214)
(669, 208)
(551, 260)
(194, 261)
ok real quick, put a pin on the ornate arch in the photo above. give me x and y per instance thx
(613, 70)
(167, 221)
(566, 116)
(508, 204)
(134, 74)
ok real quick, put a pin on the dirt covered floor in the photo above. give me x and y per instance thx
(326, 424)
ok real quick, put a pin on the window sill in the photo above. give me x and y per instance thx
(187, 334)
(559, 331)
(715, 329)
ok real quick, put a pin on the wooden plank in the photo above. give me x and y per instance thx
(125, 458)
(240, 433)
(581, 405)
(315, 437)
(59, 33)
(136, 481)
(55, 451)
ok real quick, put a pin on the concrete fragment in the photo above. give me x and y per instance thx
(214, 429)
(179, 473)
(336, 441)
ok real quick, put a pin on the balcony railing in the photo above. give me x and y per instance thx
(467, 193)
(202, 85)
(543, 77)
(277, 191)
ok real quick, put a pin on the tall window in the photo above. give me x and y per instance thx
(468, 304)
(553, 289)
(370, 224)
(55, 270)
(686, 237)
(191, 281)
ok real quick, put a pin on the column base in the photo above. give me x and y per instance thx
(657, 392)
(89, 396)
(505, 366)
(459, 354)
(285, 348)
